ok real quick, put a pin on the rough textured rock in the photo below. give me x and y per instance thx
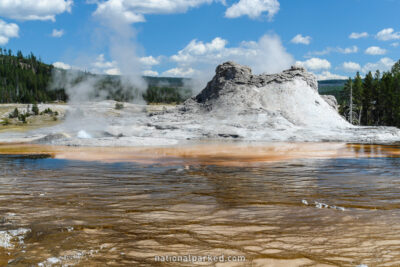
(331, 100)
(230, 75)
(283, 99)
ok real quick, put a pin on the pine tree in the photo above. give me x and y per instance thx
(367, 102)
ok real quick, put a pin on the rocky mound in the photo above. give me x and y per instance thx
(230, 76)
(291, 94)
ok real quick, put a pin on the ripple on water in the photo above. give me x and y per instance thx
(139, 211)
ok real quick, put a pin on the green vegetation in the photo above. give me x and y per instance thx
(35, 109)
(26, 79)
(14, 114)
(119, 106)
(48, 111)
(5, 122)
(168, 95)
(17, 115)
(22, 117)
(333, 87)
(376, 98)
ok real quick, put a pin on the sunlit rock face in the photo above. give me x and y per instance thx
(331, 100)
(230, 76)
(290, 96)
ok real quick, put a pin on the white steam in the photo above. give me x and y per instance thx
(123, 50)
(267, 55)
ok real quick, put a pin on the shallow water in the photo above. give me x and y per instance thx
(91, 213)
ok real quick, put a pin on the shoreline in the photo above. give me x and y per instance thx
(204, 153)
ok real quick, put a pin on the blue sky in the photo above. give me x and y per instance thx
(190, 37)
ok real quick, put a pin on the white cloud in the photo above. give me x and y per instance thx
(101, 66)
(384, 64)
(388, 35)
(113, 71)
(315, 64)
(351, 66)
(396, 44)
(101, 63)
(150, 73)
(300, 39)
(149, 61)
(358, 35)
(328, 50)
(375, 50)
(253, 8)
(57, 33)
(7, 31)
(132, 11)
(61, 65)
(266, 55)
(179, 72)
(348, 50)
(34, 9)
(326, 75)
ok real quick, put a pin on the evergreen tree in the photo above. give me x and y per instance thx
(367, 100)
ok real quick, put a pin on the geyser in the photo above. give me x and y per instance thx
(235, 105)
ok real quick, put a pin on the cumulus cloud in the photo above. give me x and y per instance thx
(388, 35)
(326, 75)
(61, 65)
(347, 50)
(265, 55)
(384, 64)
(132, 11)
(57, 33)
(34, 9)
(253, 8)
(102, 64)
(7, 31)
(315, 64)
(149, 61)
(358, 35)
(351, 66)
(375, 50)
(112, 71)
(179, 72)
(150, 73)
(300, 39)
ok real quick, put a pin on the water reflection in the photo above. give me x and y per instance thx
(124, 214)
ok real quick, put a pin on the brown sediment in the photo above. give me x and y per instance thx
(96, 215)
(227, 154)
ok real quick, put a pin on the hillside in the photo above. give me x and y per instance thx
(333, 87)
(26, 79)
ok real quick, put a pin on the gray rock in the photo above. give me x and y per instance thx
(50, 138)
(236, 84)
(331, 100)
(230, 74)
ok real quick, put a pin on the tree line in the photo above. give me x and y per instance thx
(376, 98)
(26, 79)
